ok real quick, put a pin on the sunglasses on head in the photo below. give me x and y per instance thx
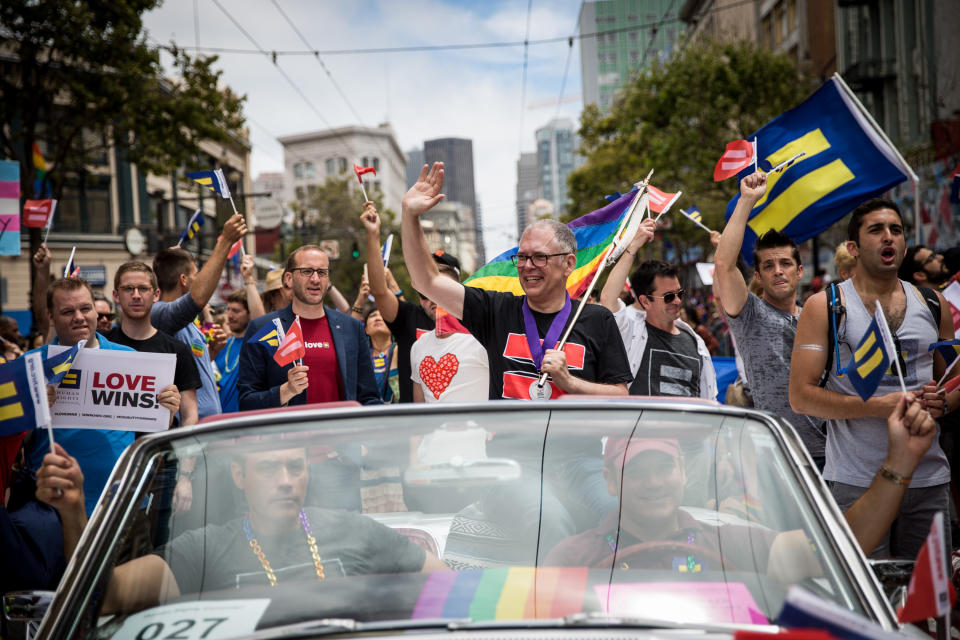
(670, 295)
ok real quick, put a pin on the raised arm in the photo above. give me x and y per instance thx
(424, 275)
(728, 282)
(41, 281)
(387, 303)
(209, 277)
(807, 364)
(621, 271)
(249, 273)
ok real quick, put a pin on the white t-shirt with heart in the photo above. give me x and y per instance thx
(450, 369)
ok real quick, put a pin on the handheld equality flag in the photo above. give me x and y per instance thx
(846, 160)
(23, 395)
(193, 227)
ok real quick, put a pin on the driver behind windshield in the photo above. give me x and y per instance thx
(277, 541)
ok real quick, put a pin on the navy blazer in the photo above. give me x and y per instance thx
(261, 377)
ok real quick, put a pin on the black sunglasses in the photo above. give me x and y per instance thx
(670, 295)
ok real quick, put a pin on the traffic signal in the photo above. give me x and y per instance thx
(356, 251)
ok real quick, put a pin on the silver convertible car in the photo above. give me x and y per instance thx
(581, 518)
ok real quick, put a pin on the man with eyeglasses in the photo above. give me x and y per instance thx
(135, 290)
(667, 357)
(520, 333)
(924, 267)
(104, 313)
(337, 365)
(184, 292)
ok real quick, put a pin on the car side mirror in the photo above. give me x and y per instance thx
(26, 606)
(894, 577)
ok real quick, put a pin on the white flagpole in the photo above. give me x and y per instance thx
(667, 206)
(888, 342)
(362, 190)
(699, 224)
(53, 210)
(948, 370)
(755, 155)
(66, 269)
(600, 267)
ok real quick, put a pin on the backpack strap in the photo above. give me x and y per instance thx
(835, 312)
(933, 302)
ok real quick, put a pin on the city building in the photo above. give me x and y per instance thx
(528, 188)
(556, 160)
(446, 228)
(456, 154)
(310, 158)
(414, 164)
(730, 20)
(269, 210)
(611, 57)
(802, 29)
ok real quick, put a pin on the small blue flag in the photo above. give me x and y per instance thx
(267, 336)
(23, 395)
(212, 180)
(949, 349)
(193, 227)
(693, 213)
(869, 362)
(58, 366)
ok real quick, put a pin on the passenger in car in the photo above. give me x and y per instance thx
(650, 530)
(277, 541)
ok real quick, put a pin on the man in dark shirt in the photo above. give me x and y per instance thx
(135, 290)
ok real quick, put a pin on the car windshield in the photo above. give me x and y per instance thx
(495, 514)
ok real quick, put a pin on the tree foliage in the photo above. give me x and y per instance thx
(677, 118)
(81, 75)
(333, 213)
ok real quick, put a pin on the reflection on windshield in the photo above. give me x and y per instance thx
(687, 517)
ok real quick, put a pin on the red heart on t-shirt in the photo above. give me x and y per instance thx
(438, 374)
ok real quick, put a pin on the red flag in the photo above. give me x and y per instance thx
(292, 347)
(234, 249)
(357, 169)
(736, 157)
(75, 273)
(660, 201)
(38, 213)
(930, 593)
(952, 385)
(447, 323)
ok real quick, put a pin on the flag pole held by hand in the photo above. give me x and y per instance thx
(542, 380)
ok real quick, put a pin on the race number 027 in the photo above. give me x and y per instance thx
(185, 629)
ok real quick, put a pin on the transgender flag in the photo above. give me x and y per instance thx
(594, 232)
(9, 208)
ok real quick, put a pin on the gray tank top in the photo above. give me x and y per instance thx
(857, 447)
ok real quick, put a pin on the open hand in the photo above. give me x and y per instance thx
(425, 193)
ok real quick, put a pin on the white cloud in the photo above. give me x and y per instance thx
(473, 93)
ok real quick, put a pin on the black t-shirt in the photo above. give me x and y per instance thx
(186, 376)
(594, 349)
(410, 322)
(220, 557)
(670, 365)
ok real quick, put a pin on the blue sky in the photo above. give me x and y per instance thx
(465, 93)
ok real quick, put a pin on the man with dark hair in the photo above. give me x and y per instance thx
(337, 365)
(238, 317)
(184, 291)
(407, 321)
(511, 327)
(924, 267)
(764, 327)
(74, 318)
(667, 357)
(104, 312)
(854, 446)
(135, 291)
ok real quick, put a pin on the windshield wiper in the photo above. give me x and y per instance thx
(605, 620)
(334, 626)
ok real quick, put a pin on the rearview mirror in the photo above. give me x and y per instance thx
(462, 474)
(894, 576)
(26, 606)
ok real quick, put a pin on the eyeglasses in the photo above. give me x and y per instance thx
(104, 316)
(307, 272)
(930, 258)
(670, 295)
(270, 468)
(129, 289)
(538, 259)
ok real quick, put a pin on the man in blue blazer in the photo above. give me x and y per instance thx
(337, 365)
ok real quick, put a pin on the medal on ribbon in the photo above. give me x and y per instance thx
(550, 340)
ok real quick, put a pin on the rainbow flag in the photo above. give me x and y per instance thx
(41, 166)
(503, 593)
(594, 233)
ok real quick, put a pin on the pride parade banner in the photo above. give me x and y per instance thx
(108, 389)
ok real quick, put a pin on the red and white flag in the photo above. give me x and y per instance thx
(292, 348)
(357, 169)
(661, 201)
(738, 155)
(38, 213)
(930, 593)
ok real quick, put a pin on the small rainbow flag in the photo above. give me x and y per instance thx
(503, 593)
(594, 232)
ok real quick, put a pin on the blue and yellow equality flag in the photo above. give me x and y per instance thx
(267, 336)
(869, 361)
(23, 395)
(846, 162)
(949, 349)
(57, 367)
(193, 227)
(213, 180)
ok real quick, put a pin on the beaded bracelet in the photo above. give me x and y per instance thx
(894, 477)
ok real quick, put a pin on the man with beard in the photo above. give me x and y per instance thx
(855, 447)
(764, 326)
(337, 365)
(924, 267)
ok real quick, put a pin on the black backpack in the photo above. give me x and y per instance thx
(836, 310)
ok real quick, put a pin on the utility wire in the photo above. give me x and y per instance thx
(523, 77)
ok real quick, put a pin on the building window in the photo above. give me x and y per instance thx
(633, 17)
(632, 36)
(308, 170)
(342, 165)
(331, 166)
(791, 15)
(298, 170)
(300, 193)
(311, 190)
(376, 164)
(634, 55)
(612, 57)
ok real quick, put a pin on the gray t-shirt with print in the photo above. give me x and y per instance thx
(764, 336)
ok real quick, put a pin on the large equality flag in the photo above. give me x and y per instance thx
(23, 395)
(847, 160)
(594, 233)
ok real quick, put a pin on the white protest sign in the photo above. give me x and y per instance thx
(112, 389)
(952, 295)
(705, 271)
(206, 619)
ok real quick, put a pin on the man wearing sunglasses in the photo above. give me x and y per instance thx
(337, 365)
(667, 357)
